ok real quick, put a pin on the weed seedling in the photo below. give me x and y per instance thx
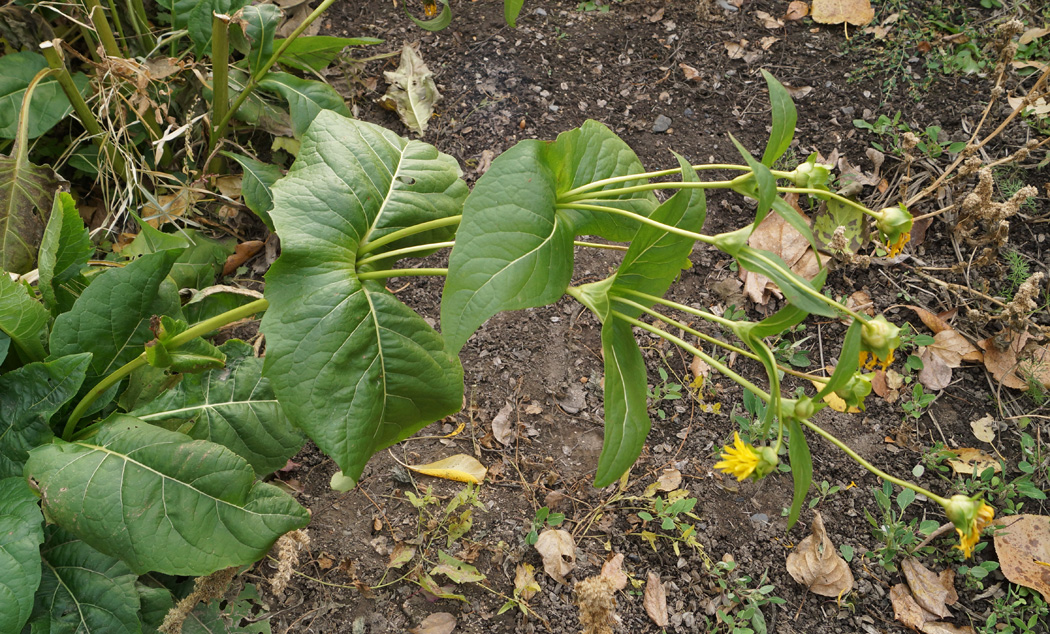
(898, 537)
(542, 519)
(742, 611)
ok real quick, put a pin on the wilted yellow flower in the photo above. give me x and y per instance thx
(740, 459)
(970, 516)
(897, 246)
(869, 361)
(430, 8)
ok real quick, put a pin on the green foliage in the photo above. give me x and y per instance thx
(898, 536)
(742, 612)
(1020, 611)
(541, 520)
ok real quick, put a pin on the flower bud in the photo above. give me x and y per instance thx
(768, 461)
(855, 391)
(804, 408)
(893, 222)
(733, 241)
(879, 337)
(811, 174)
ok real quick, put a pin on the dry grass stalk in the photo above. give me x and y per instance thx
(205, 589)
(288, 547)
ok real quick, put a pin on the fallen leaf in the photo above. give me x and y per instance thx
(559, 553)
(935, 373)
(503, 429)
(669, 480)
(1039, 108)
(691, 74)
(736, 50)
(906, 609)
(241, 254)
(953, 348)
(766, 42)
(525, 585)
(936, 627)
(932, 321)
(436, 623)
(1002, 361)
(833, 400)
(401, 555)
(984, 429)
(855, 12)
(460, 467)
(1032, 35)
(816, 564)
(970, 461)
(292, 19)
(412, 92)
(167, 208)
(657, 15)
(798, 92)
(613, 571)
(769, 21)
(699, 368)
(860, 301)
(229, 186)
(1039, 66)
(796, 10)
(1023, 547)
(927, 587)
(1037, 366)
(455, 570)
(655, 600)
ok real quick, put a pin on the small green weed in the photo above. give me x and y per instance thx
(744, 613)
(973, 576)
(1021, 611)
(664, 390)
(824, 490)
(893, 129)
(898, 537)
(542, 519)
(920, 400)
(673, 515)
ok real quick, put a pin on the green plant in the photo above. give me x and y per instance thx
(920, 400)
(439, 19)
(542, 519)
(743, 615)
(824, 489)
(973, 576)
(671, 515)
(143, 443)
(898, 537)
(664, 390)
(894, 128)
(1020, 611)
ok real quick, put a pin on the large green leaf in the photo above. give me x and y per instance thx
(511, 9)
(801, 468)
(29, 397)
(234, 407)
(256, 182)
(762, 186)
(161, 501)
(315, 53)
(22, 318)
(590, 153)
(111, 318)
(774, 267)
(83, 590)
(514, 246)
(21, 533)
(351, 365)
(656, 257)
(49, 104)
(626, 415)
(260, 24)
(305, 97)
(65, 249)
(784, 119)
(200, 19)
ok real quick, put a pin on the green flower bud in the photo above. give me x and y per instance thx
(768, 461)
(893, 222)
(804, 408)
(879, 337)
(733, 241)
(855, 391)
(811, 174)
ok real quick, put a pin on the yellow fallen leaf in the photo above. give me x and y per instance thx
(460, 467)
(970, 461)
(833, 400)
(1023, 548)
(855, 12)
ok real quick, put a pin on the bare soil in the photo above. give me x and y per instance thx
(560, 67)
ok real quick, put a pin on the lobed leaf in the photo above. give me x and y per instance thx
(352, 366)
(21, 533)
(160, 500)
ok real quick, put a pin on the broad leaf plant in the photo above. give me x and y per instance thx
(132, 448)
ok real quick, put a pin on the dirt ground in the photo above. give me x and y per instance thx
(560, 67)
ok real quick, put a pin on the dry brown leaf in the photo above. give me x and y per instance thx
(816, 564)
(775, 235)
(460, 467)
(229, 186)
(970, 461)
(503, 429)
(699, 368)
(860, 301)
(796, 10)
(171, 206)
(927, 587)
(241, 254)
(655, 600)
(953, 348)
(436, 623)
(295, 17)
(799, 92)
(855, 12)
(937, 627)
(669, 480)
(1031, 35)
(766, 42)
(613, 571)
(691, 74)
(935, 373)
(412, 91)
(932, 321)
(1039, 66)
(906, 609)
(1002, 361)
(1023, 547)
(1039, 108)
(769, 21)
(1037, 366)
(559, 553)
(736, 50)
(984, 429)
(525, 585)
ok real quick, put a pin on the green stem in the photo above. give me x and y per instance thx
(220, 80)
(809, 290)
(197, 330)
(822, 193)
(648, 187)
(116, 18)
(263, 70)
(87, 118)
(667, 172)
(368, 247)
(703, 314)
(388, 273)
(97, 15)
(642, 219)
(870, 467)
(595, 245)
(405, 251)
(140, 21)
(711, 361)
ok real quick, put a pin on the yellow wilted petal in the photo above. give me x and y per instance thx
(460, 467)
(833, 400)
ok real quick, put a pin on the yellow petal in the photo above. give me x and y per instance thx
(833, 400)
(460, 467)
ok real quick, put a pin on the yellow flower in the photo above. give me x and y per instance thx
(740, 460)
(430, 8)
(869, 361)
(970, 516)
(897, 246)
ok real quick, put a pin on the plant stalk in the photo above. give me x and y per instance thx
(369, 246)
(642, 219)
(870, 467)
(648, 187)
(87, 118)
(382, 275)
(197, 330)
(97, 15)
(820, 193)
(405, 251)
(598, 184)
(116, 18)
(595, 245)
(220, 81)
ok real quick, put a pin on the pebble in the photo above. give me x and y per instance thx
(760, 518)
(540, 12)
(661, 124)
